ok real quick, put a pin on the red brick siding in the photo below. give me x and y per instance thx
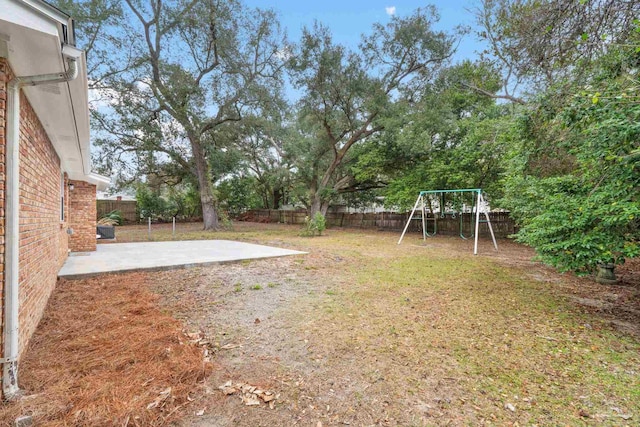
(43, 237)
(82, 219)
(63, 249)
(4, 77)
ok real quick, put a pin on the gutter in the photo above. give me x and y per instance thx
(12, 217)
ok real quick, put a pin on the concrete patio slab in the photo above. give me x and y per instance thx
(123, 257)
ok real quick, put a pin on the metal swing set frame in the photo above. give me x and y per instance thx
(480, 205)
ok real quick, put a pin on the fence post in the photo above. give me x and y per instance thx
(174, 227)
(149, 228)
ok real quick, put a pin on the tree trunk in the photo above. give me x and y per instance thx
(277, 197)
(318, 205)
(207, 199)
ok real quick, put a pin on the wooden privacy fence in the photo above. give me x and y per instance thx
(503, 225)
(126, 207)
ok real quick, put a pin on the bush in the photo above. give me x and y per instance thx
(112, 218)
(150, 203)
(573, 182)
(316, 225)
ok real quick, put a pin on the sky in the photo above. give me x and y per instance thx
(348, 19)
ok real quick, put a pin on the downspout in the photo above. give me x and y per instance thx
(12, 225)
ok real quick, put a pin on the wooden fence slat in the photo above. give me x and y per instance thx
(503, 225)
(126, 207)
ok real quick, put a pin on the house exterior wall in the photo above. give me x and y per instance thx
(82, 217)
(44, 241)
(4, 71)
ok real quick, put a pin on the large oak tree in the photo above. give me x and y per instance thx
(190, 69)
(351, 96)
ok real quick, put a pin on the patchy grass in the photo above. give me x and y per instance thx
(498, 339)
(366, 332)
(194, 231)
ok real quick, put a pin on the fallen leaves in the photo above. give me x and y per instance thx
(159, 401)
(199, 339)
(249, 395)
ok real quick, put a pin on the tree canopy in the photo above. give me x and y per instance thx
(190, 103)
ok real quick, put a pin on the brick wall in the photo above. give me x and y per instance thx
(43, 237)
(82, 216)
(64, 246)
(3, 105)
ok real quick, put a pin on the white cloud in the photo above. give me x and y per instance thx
(391, 10)
(284, 54)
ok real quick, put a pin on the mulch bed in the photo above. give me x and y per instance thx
(104, 354)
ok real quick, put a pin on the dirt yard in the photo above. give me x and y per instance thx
(364, 332)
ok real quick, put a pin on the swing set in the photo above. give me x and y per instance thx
(440, 203)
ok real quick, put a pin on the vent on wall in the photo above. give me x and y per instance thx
(51, 88)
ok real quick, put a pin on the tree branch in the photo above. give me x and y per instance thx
(495, 95)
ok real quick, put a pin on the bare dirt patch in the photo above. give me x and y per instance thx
(104, 355)
(241, 309)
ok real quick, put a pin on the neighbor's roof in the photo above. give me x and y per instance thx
(35, 34)
(101, 195)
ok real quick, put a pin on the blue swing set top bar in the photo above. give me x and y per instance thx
(463, 190)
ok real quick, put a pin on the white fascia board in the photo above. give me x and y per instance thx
(47, 10)
(79, 98)
(20, 13)
(33, 36)
(102, 183)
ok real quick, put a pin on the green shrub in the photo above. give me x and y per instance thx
(225, 222)
(112, 218)
(315, 225)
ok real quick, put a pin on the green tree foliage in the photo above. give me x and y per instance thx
(184, 202)
(262, 143)
(348, 96)
(238, 194)
(539, 43)
(574, 179)
(165, 203)
(361, 200)
(188, 71)
(455, 138)
(150, 204)
(313, 226)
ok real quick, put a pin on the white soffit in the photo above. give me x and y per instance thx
(18, 12)
(34, 47)
(101, 182)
